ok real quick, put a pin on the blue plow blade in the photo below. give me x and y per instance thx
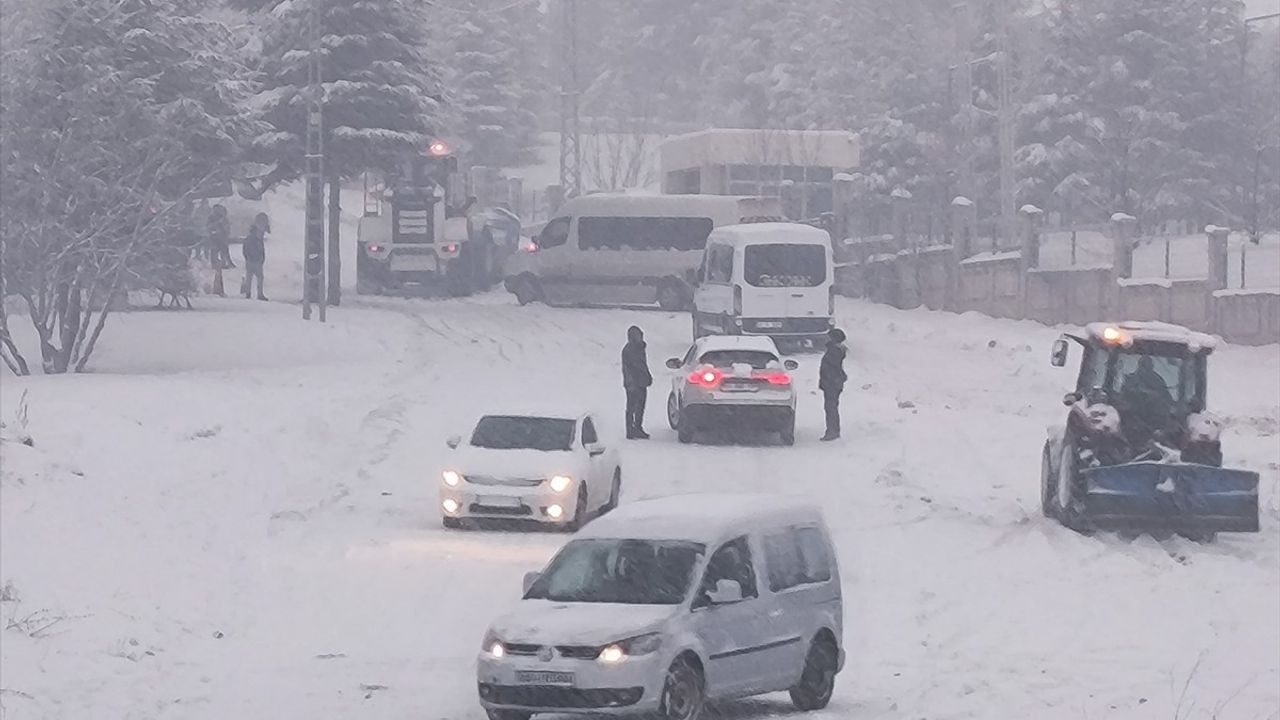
(1178, 497)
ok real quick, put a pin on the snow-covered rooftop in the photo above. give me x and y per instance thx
(707, 518)
(783, 233)
(737, 342)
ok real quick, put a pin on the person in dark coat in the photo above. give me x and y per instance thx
(219, 235)
(255, 255)
(636, 380)
(831, 379)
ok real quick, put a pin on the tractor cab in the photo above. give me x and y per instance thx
(1153, 376)
(1139, 450)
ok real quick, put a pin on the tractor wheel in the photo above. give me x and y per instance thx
(525, 288)
(1048, 483)
(1068, 498)
(457, 275)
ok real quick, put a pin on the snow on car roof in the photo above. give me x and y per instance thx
(759, 343)
(1157, 332)
(778, 233)
(708, 518)
(550, 411)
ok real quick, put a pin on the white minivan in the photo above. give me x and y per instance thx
(770, 278)
(668, 604)
(625, 248)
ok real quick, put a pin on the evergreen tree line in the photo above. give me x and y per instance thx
(1162, 109)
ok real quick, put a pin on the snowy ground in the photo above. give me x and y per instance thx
(235, 517)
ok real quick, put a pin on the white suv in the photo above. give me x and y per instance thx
(732, 381)
(668, 604)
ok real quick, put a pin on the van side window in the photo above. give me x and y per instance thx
(643, 233)
(796, 556)
(720, 264)
(589, 433)
(555, 234)
(731, 562)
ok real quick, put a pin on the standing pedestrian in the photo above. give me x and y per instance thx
(831, 379)
(219, 234)
(255, 255)
(636, 380)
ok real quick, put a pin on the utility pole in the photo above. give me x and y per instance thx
(570, 149)
(313, 290)
(964, 41)
(1008, 212)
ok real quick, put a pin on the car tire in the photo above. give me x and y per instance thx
(457, 275)
(615, 492)
(789, 434)
(1048, 483)
(525, 289)
(579, 511)
(452, 523)
(672, 295)
(818, 678)
(685, 433)
(508, 714)
(673, 412)
(684, 695)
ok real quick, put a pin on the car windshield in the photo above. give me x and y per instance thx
(1160, 378)
(501, 432)
(785, 265)
(757, 359)
(632, 572)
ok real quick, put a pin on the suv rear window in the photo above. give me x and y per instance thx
(785, 265)
(728, 358)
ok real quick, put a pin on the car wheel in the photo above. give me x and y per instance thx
(452, 523)
(673, 411)
(818, 679)
(525, 290)
(508, 714)
(683, 693)
(615, 492)
(789, 434)
(672, 295)
(579, 511)
(685, 432)
(1048, 483)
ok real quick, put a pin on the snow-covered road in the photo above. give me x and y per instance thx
(258, 538)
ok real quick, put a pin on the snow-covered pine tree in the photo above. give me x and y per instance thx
(489, 74)
(382, 92)
(113, 110)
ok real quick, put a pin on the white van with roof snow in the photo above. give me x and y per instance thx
(774, 279)
(668, 604)
(625, 248)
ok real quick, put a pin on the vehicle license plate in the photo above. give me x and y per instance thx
(499, 501)
(412, 263)
(737, 387)
(770, 325)
(543, 677)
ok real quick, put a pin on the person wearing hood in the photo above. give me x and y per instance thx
(636, 380)
(831, 379)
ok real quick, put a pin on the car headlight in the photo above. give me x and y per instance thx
(560, 483)
(451, 478)
(631, 647)
(493, 647)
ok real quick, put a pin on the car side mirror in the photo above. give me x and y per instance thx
(727, 592)
(1058, 357)
(674, 363)
(529, 579)
(790, 365)
(1071, 398)
(453, 442)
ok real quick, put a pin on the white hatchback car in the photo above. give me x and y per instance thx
(732, 381)
(668, 604)
(551, 468)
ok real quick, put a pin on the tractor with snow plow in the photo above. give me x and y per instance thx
(421, 229)
(1139, 452)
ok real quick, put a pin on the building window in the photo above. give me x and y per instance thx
(684, 182)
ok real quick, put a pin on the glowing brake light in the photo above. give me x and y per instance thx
(778, 378)
(707, 378)
(451, 248)
(375, 248)
(531, 247)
